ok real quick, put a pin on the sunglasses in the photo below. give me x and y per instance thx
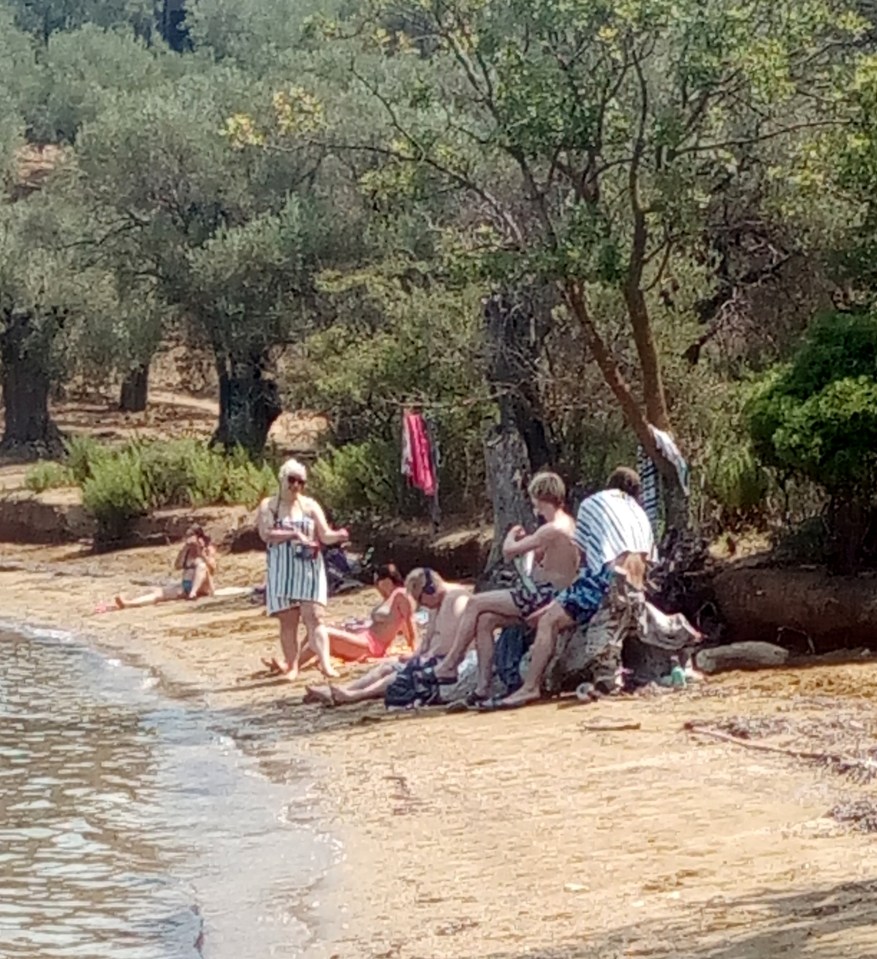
(295, 479)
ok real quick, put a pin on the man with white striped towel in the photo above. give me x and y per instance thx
(612, 534)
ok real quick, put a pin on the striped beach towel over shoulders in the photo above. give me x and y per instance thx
(610, 523)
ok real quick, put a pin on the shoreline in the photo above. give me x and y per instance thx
(504, 836)
(250, 753)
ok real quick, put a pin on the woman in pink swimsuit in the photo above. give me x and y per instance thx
(393, 615)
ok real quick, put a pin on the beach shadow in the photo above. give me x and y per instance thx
(776, 923)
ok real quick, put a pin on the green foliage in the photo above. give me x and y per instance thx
(359, 479)
(47, 475)
(399, 344)
(119, 484)
(85, 68)
(115, 494)
(817, 416)
(83, 454)
(45, 17)
(255, 33)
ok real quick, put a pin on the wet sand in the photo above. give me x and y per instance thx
(524, 834)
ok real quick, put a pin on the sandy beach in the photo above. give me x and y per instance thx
(522, 834)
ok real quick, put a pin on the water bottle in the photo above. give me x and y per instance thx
(677, 673)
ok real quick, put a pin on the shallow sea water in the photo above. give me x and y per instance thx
(131, 827)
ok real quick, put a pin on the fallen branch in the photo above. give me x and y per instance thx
(861, 770)
(608, 727)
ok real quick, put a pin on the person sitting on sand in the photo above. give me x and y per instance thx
(197, 560)
(393, 615)
(556, 564)
(446, 603)
(612, 533)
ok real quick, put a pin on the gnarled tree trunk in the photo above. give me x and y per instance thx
(248, 404)
(135, 390)
(516, 324)
(29, 429)
(508, 472)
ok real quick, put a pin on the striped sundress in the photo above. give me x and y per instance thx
(295, 574)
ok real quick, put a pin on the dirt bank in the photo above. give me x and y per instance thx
(523, 834)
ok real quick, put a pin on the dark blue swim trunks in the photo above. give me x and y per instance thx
(582, 598)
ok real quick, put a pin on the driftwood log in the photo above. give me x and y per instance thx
(752, 655)
(806, 610)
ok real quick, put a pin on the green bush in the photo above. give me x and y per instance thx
(115, 495)
(355, 478)
(82, 452)
(119, 484)
(816, 419)
(817, 416)
(48, 475)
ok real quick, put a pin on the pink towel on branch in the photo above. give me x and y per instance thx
(416, 458)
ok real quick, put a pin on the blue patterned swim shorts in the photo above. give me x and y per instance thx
(582, 598)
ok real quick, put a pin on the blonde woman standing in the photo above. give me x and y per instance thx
(294, 528)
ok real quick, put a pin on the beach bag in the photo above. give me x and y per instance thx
(409, 689)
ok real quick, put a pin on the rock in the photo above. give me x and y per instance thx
(749, 655)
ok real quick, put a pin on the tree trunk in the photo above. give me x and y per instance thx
(29, 429)
(515, 329)
(678, 512)
(508, 472)
(135, 390)
(248, 405)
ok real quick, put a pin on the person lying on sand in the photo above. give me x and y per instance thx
(393, 615)
(446, 603)
(556, 565)
(197, 560)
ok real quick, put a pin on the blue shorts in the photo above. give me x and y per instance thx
(187, 586)
(582, 598)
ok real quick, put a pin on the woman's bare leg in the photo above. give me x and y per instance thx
(318, 637)
(352, 647)
(289, 640)
(202, 584)
(374, 676)
(152, 598)
(485, 646)
(371, 686)
(497, 603)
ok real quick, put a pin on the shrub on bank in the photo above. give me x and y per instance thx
(816, 418)
(122, 483)
(47, 475)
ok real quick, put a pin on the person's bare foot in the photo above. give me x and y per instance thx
(316, 694)
(283, 670)
(523, 697)
(120, 603)
(324, 695)
(329, 671)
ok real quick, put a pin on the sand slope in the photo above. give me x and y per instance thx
(522, 834)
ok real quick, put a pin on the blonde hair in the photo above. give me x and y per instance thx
(548, 488)
(292, 468)
(423, 580)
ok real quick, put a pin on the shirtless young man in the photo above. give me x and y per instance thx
(446, 603)
(612, 534)
(557, 562)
